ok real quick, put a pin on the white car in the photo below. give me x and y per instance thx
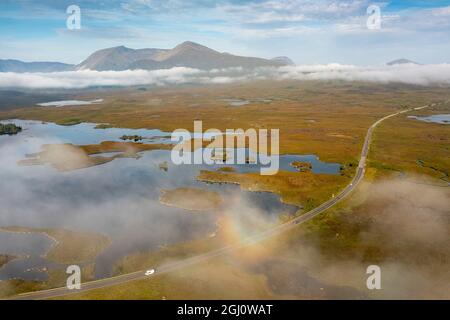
(149, 272)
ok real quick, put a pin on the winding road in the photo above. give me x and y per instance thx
(177, 265)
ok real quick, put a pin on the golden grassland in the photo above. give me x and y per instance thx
(305, 189)
(408, 145)
(346, 230)
(328, 119)
(339, 234)
(193, 199)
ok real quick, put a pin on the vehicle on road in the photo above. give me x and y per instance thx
(149, 272)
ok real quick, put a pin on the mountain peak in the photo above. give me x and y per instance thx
(18, 66)
(191, 45)
(284, 60)
(401, 61)
(187, 54)
(119, 49)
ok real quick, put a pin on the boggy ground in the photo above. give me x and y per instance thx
(397, 219)
(69, 247)
(329, 119)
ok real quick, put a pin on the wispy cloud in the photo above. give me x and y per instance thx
(409, 74)
(335, 30)
(294, 10)
(88, 78)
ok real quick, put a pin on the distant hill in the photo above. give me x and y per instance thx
(401, 61)
(13, 99)
(285, 60)
(187, 54)
(116, 58)
(20, 66)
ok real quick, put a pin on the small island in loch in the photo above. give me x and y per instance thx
(5, 258)
(302, 166)
(134, 138)
(192, 199)
(9, 129)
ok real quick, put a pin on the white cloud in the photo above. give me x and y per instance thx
(293, 10)
(89, 78)
(444, 11)
(409, 74)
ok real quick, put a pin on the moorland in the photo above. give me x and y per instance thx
(407, 171)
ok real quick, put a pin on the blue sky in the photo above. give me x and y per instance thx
(308, 31)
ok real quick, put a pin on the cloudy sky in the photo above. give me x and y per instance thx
(308, 31)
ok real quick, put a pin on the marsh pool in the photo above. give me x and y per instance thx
(119, 199)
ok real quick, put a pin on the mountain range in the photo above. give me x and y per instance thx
(187, 54)
(401, 61)
(20, 66)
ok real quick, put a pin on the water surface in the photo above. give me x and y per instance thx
(119, 199)
(30, 249)
(65, 103)
(436, 118)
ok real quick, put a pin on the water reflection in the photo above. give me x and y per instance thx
(436, 118)
(29, 250)
(119, 199)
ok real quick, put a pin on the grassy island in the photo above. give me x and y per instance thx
(5, 258)
(301, 166)
(9, 129)
(191, 199)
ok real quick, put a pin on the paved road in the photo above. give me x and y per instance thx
(140, 275)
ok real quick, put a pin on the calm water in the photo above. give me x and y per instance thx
(84, 133)
(237, 102)
(66, 103)
(29, 250)
(119, 199)
(436, 118)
